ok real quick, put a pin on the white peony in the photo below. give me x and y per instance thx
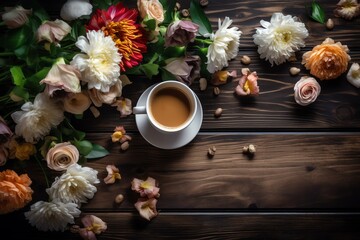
(74, 9)
(75, 185)
(52, 216)
(36, 119)
(225, 46)
(278, 39)
(99, 66)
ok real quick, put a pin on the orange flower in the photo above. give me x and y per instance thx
(15, 191)
(328, 60)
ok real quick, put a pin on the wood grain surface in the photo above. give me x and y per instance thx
(302, 182)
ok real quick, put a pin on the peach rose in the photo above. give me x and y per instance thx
(76, 103)
(15, 191)
(61, 156)
(328, 60)
(307, 89)
(152, 9)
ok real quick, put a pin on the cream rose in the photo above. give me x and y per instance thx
(307, 89)
(151, 8)
(61, 156)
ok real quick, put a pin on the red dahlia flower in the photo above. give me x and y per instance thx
(120, 23)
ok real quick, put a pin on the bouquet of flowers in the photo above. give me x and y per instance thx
(55, 68)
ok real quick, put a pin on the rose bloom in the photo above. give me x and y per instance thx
(52, 31)
(62, 77)
(247, 84)
(76, 103)
(180, 33)
(52, 216)
(99, 62)
(152, 9)
(73, 9)
(225, 46)
(347, 9)
(185, 69)
(353, 75)
(92, 225)
(147, 208)
(15, 17)
(15, 191)
(307, 89)
(61, 156)
(328, 60)
(35, 120)
(98, 97)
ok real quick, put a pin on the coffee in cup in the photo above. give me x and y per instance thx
(170, 106)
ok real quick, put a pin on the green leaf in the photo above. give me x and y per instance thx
(18, 37)
(199, 17)
(84, 146)
(150, 69)
(317, 12)
(175, 52)
(33, 82)
(97, 152)
(17, 76)
(150, 24)
(169, 12)
(166, 75)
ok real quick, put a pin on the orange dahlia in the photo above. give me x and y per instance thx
(120, 23)
(15, 191)
(328, 60)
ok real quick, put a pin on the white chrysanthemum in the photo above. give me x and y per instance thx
(88, 173)
(225, 46)
(52, 216)
(75, 185)
(100, 65)
(280, 38)
(36, 119)
(69, 188)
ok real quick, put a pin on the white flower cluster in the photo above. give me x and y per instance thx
(66, 194)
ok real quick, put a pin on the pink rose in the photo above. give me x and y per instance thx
(53, 31)
(61, 156)
(152, 9)
(62, 77)
(307, 89)
(180, 33)
(15, 17)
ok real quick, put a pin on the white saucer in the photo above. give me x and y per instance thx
(168, 140)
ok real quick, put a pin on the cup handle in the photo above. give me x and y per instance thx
(139, 110)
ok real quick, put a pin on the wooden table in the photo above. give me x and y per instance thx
(302, 183)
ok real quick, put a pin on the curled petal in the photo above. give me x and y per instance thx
(147, 208)
(353, 76)
(113, 174)
(76, 103)
(146, 188)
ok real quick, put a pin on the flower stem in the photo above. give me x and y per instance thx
(43, 170)
(205, 41)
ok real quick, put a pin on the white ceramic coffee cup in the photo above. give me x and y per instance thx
(177, 86)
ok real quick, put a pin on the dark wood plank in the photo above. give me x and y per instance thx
(173, 225)
(304, 171)
(274, 109)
